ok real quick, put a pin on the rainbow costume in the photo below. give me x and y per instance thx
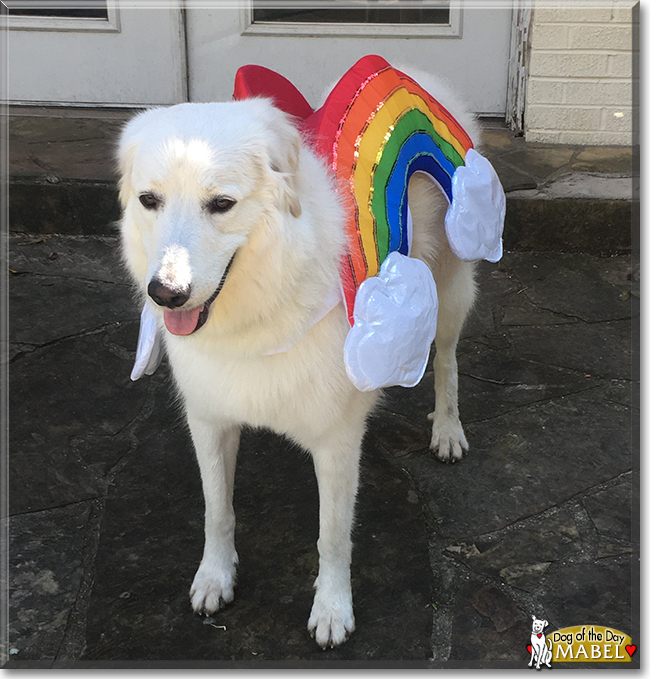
(376, 129)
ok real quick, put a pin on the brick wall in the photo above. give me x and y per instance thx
(580, 75)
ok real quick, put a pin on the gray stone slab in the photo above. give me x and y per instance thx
(489, 628)
(15, 348)
(50, 146)
(399, 434)
(67, 392)
(598, 226)
(622, 391)
(521, 555)
(512, 178)
(597, 593)
(494, 382)
(552, 450)
(611, 513)
(491, 383)
(79, 257)
(608, 159)
(576, 286)
(517, 309)
(597, 350)
(73, 207)
(580, 185)
(541, 161)
(45, 308)
(46, 571)
(494, 282)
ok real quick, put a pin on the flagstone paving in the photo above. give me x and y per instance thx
(450, 561)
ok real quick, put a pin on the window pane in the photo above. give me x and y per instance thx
(84, 9)
(368, 12)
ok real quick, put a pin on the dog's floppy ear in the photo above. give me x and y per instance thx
(284, 160)
(125, 158)
(126, 150)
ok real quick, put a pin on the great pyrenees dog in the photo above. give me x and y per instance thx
(234, 228)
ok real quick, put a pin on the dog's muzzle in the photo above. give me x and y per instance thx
(184, 321)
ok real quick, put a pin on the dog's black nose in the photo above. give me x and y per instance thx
(166, 296)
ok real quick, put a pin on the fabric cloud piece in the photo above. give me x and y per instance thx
(474, 220)
(395, 318)
(149, 354)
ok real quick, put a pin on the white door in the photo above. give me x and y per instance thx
(166, 51)
(100, 52)
(468, 46)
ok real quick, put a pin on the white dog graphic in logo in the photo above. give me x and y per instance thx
(540, 653)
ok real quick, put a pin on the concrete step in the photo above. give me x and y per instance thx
(559, 198)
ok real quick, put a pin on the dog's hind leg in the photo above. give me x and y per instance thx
(456, 291)
(336, 462)
(216, 451)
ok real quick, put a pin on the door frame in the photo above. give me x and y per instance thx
(518, 65)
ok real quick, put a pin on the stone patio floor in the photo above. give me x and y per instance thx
(450, 561)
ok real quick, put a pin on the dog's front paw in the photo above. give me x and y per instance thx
(447, 438)
(212, 589)
(331, 621)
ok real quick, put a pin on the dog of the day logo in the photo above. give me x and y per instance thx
(581, 643)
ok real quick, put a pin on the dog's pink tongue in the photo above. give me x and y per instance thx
(182, 322)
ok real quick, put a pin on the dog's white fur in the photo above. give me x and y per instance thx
(540, 652)
(287, 230)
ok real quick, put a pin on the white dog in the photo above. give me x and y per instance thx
(540, 653)
(233, 227)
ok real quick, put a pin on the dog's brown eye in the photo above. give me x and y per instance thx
(220, 204)
(149, 201)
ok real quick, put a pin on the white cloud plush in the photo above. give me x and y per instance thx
(395, 318)
(474, 220)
